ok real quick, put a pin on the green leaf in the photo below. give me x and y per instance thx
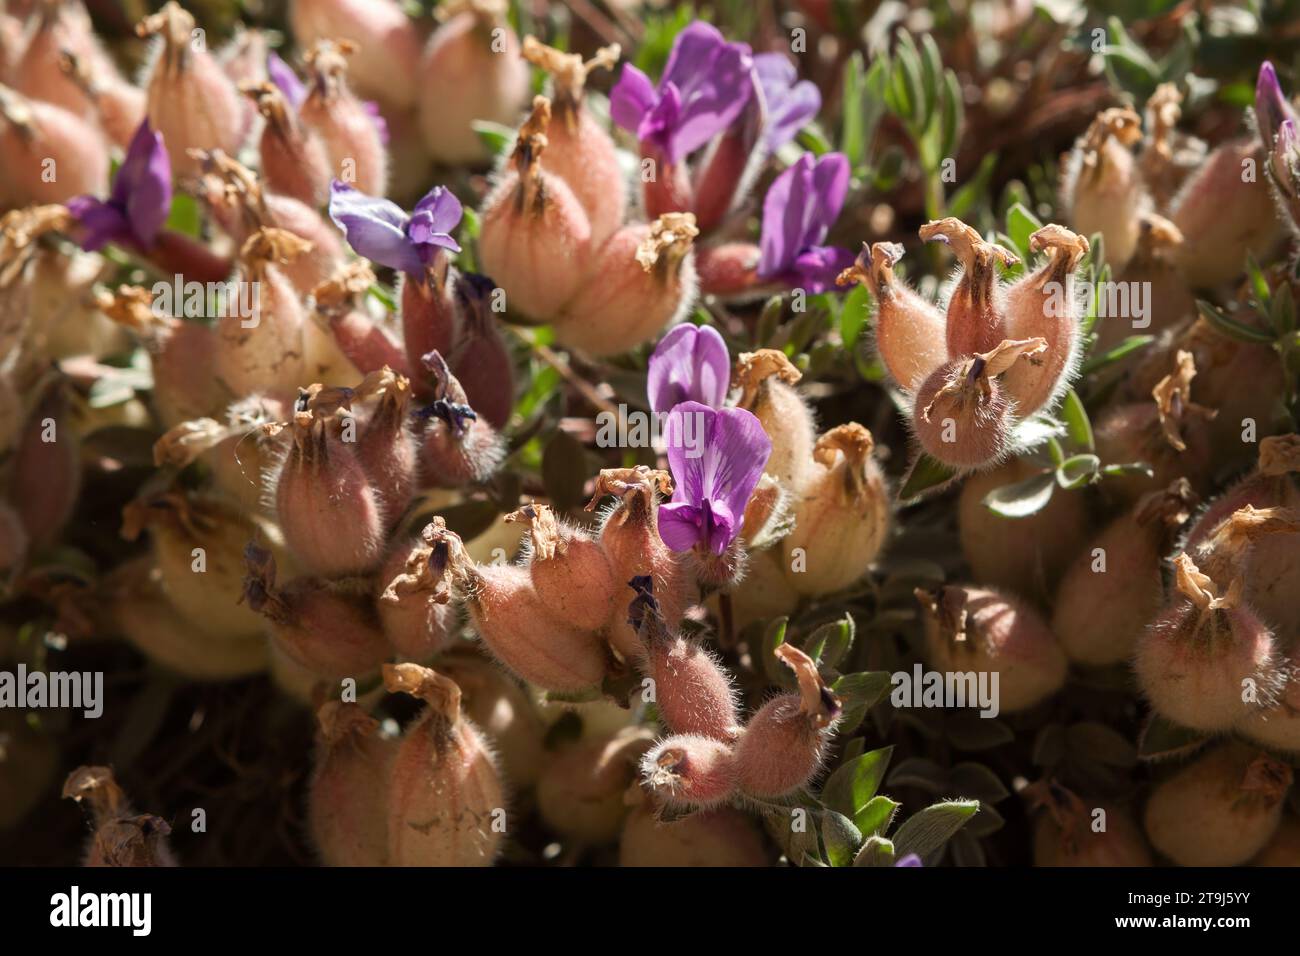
(853, 784)
(841, 838)
(922, 774)
(564, 471)
(927, 475)
(1101, 743)
(876, 851)
(774, 637)
(1130, 345)
(1231, 327)
(1077, 471)
(830, 642)
(1077, 424)
(858, 693)
(926, 832)
(853, 314)
(1022, 498)
(814, 140)
(952, 114)
(853, 135)
(497, 138)
(1130, 468)
(875, 817)
(978, 781)
(969, 731)
(976, 187)
(184, 216)
(1282, 313)
(1257, 281)
(1021, 224)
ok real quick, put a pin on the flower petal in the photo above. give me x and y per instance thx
(691, 363)
(712, 99)
(144, 184)
(375, 228)
(816, 268)
(631, 98)
(735, 455)
(783, 218)
(679, 525)
(282, 76)
(686, 437)
(788, 102)
(103, 223)
(444, 206)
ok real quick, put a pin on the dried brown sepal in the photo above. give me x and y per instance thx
(978, 371)
(568, 71)
(753, 369)
(640, 481)
(1173, 397)
(816, 699)
(1279, 455)
(344, 289)
(1200, 589)
(19, 231)
(1065, 250)
(543, 528)
(1171, 506)
(441, 693)
(667, 244)
(100, 791)
(1121, 123)
(1163, 109)
(269, 245)
(948, 606)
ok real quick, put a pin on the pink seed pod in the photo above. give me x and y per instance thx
(712, 838)
(347, 799)
(479, 356)
(13, 540)
(729, 271)
(642, 281)
(504, 711)
(1114, 588)
(294, 161)
(340, 307)
(260, 341)
(1284, 847)
(686, 772)
(842, 520)
(50, 154)
(12, 42)
(1220, 809)
(569, 569)
(535, 237)
(445, 801)
(116, 105)
(910, 331)
(975, 629)
(1207, 662)
(328, 628)
(1225, 215)
(581, 792)
(1045, 305)
(458, 447)
(351, 137)
(1278, 727)
(244, 56)
(428, 310)
(1101, 186)
(471, 70)
(976, 307)
(1168, 156)
(765, 592)
(578, 149)
(121, 836)
(387, 42)
(415, 594)
(766, 379)
(962, 416)
(784, 745)
(1026, 555)
(1152, 266)
(190, 99)
(59, 28)
(665, 187)
(329, 511)
(386, 447)
(45, 475)
(629, 534)
(1070, 832)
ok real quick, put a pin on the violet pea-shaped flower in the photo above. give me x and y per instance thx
(704, 88)
(716, 456)
(788, 102)
(382, 232)
(690, 364)
(1272, 108)
(798, 211)
(139, 202)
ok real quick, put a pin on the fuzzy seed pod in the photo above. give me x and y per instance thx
(688, 772)
(479, 355)
(445, 804)
(1071, 833)
(428, 310)
(1207, 662)
(1044, 305)
(910, 331)
(962, 415)
(766, 379)
(13, 540)
(1114, 587)
(1279, 727)
(50, 154)
(1220, 809)
(569, 569)
(1284, 848)
(294, 160)
(458, 447)
(1168, 156)
(347, 800)
(580, 794)
(713, 838)
(121, 836)
(386, 41)
(843, 518)
(1102, 187)
(766, 591)
(414, 603)
(347, 130)
(975, 321)
(470, 70)
(117, 106)
(784, 745)
(386, 447)
(191, 101)
(1169, 301)
(56, 29)
(329, 511)
(975, 629)
(340, 304)
(578, 149)
(45, 479)
(642, 281)
(328, 628)
(535, 237)
(729, 271)
(504, 711)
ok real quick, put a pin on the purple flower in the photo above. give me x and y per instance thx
(788, 102)
(140, 200)
(798, 212)
(910, 860)
(379, 230)
(705, 86)
(716, 456)
(295, 92)
(1272, 108)
(690, 364)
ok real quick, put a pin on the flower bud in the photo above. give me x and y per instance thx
(386, 41)
(340, 304)
(122, 837)
(1067, 833)
(910, 332)
(1207, 662)
(766, 379)
(784, 745)
(729, 271)
(1101, 186)
(471, 70)
(414, 601)
(39, 139)
(975, 321)
(386, 447)
(445, 803)
(580, 794)
(962, 415)
(347, 799)
(1220, 809)
(458, 447)
(347, 130)
(578, 149)
(329, 629)
(1045, 305)
(294, 161)
(569, 569)
(190, 99)
(1114, 588)
(535, 236)
(504, 711)
(975, 629)
(685, 772)
(713, 838)
(843, 518)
